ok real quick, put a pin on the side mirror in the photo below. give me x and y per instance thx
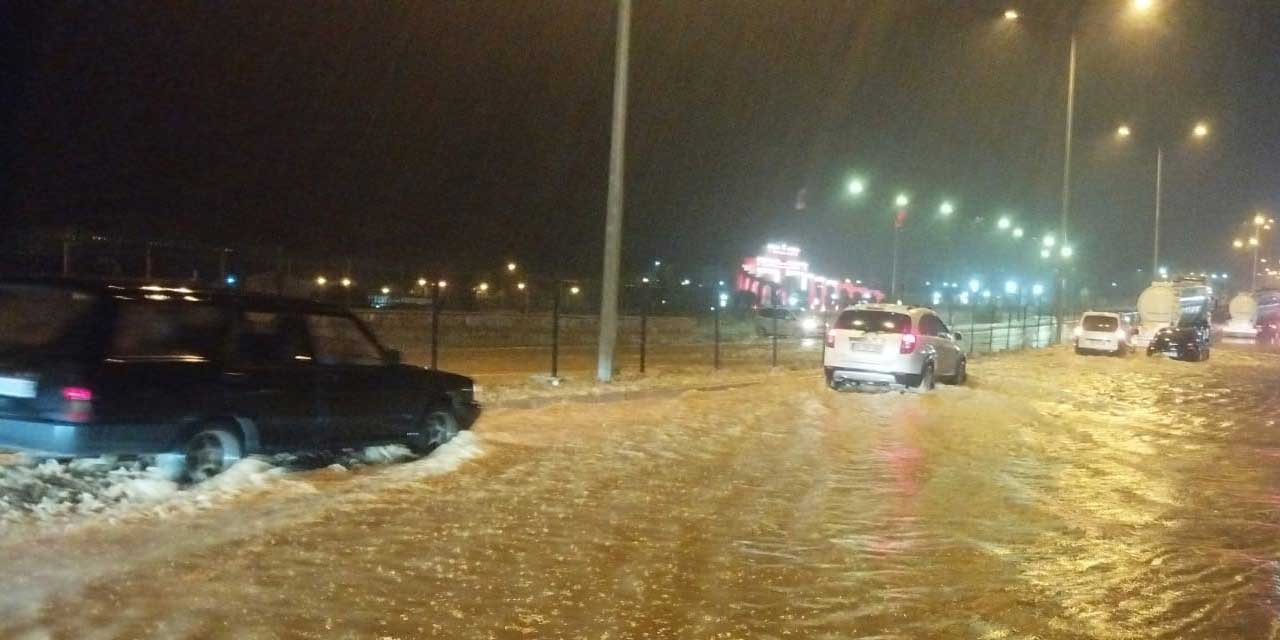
(957, 336)
(393, 357)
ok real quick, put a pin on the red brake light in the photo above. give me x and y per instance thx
(831, 339)
(908, 343)
(77, 394)
(78, 405)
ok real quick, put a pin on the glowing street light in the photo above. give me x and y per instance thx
(1124, 131)
(484, 286)
(1201, 130)
(1259, 220)
(946, 208)
(442, 284)
(1004, 223)
(1237, 243)
(1045, 253)
(1253, 242)
(1142, 5)
(511, 266)
(520, 286)
(1037, 289)
(346, 282)
(386, 290)
(1010, 287)
(1010, 15)
(856, 187)
(974, 285)
(1049, 240)
(321, 281)
(902, 200)
(1067, 251)
(574, 290)
(1017, 232)
(422, 282)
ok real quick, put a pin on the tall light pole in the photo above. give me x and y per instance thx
(609, 283)
(900, 219)
(1066, 161)
(1199, 131)
(1155, 248)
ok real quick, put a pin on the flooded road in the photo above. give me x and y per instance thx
(1053, 497)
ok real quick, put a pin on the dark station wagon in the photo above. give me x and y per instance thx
(92, 368)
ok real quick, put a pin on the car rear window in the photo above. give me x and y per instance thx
(1100, 323)
(35, 318)
(874, 321)
(168, 330)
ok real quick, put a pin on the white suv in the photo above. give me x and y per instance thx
(892, 346)
(1103, 332)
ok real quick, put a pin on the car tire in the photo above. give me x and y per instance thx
(438, 427)
(961, 374)
(210, 452)
(926, 381)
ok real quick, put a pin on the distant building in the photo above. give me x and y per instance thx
(779, 268)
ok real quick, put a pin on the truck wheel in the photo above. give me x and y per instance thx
(211, 452)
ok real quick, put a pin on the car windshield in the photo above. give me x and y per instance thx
(36, 318)
(874, 321)
(1100, 323)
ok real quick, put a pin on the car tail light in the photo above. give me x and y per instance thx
(908, 343)
(831, 339)
(77, 404)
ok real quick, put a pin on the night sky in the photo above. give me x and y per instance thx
(473, 132)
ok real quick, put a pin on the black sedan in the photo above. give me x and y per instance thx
(1190, 342)
(89, 368)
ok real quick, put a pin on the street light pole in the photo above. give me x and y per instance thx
(1066, 163)
(1155, 251)
(893, 279)
(613, 217)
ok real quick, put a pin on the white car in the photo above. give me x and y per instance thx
(1104, 332)
(892, 346)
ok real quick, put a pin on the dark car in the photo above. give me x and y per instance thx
(90, 368)
(1184, 342)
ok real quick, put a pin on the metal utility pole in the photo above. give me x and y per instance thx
(613, 216)
(1060, 275)
(1155, 251)
(1066, 163)
(893, 278)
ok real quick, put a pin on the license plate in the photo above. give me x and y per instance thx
(864, 346)
(17, 387)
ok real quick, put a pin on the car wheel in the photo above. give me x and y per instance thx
(926, 379)
(211, 452)
(962, 372)
(438, 427)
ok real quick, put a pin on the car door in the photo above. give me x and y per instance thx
(272, 380)
(367, 400)
(935, 335)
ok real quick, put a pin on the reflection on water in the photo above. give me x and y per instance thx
(1055, 497)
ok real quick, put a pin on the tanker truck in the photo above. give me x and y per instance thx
(1251, 311)
(1171, 303)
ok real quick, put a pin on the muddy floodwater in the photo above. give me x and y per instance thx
(1053, 497)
